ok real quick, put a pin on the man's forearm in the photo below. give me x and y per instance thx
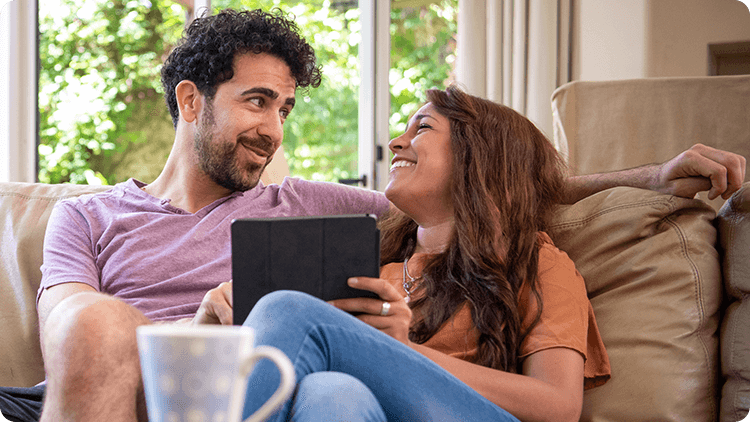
(579, 187)
(700, 168)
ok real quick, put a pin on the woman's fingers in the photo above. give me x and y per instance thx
(390, 314)
(379, 286)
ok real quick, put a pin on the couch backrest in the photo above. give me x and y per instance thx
(643, 121)
(24, 211)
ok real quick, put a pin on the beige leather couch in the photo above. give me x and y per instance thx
(668, 279)
(678, 333)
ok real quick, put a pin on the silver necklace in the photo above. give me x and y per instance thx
(411, 283)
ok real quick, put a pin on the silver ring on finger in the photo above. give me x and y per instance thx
(385, 309)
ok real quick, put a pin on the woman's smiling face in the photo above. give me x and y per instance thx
(420, 175)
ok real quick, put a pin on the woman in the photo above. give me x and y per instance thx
(481, 317)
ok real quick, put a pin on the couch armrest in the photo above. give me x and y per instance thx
(733, 222)
(24, 211)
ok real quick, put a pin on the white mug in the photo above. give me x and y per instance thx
(199, 373)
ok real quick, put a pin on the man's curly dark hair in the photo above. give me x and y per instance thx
(205, 54)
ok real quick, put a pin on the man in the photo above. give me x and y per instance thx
(141, 254)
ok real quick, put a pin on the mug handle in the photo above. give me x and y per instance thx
(279, 397)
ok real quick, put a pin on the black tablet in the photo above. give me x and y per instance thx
(315, 255)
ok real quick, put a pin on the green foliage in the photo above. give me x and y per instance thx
(98, 58)
(101, 62)
(423, 45)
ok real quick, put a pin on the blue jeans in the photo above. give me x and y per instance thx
(319, 338)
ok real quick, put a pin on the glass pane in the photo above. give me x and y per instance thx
(102, 114)
(320, 137)
(423, 53)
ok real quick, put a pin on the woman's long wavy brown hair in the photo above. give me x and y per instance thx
(506, 180)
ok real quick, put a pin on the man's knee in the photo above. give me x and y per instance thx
(90, 321)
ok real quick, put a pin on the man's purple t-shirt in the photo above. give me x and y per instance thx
(162, 259)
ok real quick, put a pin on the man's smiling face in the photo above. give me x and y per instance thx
(241, 128)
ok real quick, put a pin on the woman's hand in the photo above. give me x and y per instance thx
(395, 322)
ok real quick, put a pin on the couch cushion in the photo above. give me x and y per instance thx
(24, 210)
(734, 233)
(653, 276)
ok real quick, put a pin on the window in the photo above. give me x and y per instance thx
(103, 118)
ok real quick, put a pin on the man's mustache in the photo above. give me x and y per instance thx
(259, 142)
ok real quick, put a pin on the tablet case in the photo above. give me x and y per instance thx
(315, 255)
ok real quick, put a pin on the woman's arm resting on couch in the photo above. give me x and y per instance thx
(697, 169)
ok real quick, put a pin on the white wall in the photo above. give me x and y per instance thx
(4, 92)
(651, 38)
(679, 32)
(18, 91)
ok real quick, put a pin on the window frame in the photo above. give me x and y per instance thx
(374, 93)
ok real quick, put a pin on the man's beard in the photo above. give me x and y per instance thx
(219, 160)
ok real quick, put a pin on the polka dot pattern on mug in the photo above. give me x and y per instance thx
(195, 378)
